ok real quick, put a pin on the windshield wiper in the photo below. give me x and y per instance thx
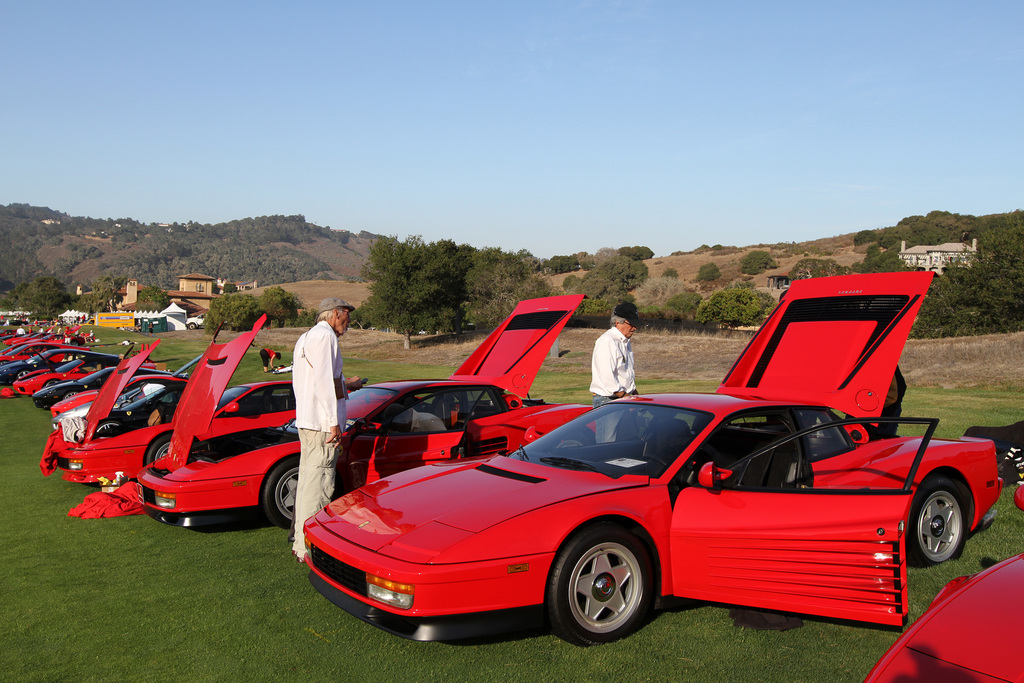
(519, 454)
(569, 463)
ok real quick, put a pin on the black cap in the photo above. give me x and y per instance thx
(627, 311)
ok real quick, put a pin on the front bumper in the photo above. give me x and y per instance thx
(449, 627)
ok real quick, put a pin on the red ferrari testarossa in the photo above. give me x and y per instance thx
(780, 491)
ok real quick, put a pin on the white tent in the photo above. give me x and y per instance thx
(175, 317)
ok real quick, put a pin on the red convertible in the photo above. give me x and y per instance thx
(392, 426)
(760, 495)
(140, 432)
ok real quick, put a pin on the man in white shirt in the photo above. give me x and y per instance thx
(320, 392)
(612, 373)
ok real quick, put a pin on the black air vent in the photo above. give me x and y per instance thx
(510, 475)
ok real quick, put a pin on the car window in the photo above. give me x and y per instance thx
(619, 438)
(822, 443)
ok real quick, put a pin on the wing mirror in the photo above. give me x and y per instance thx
(231, 407)
(1018, 497)
(857, 433)
(531, 434)
(712, 476)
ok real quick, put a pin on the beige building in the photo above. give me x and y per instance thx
(937, 257)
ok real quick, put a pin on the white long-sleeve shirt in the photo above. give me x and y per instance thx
(316, 363)
(612, 364)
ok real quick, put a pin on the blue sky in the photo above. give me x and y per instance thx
(553, 127)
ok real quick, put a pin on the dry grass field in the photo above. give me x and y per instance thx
(990, 361)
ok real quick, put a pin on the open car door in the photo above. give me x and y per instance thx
(832, 341)
(511, 355)
(837, 553)
(203, 392)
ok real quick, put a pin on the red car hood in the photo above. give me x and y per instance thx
(511, 355)
(455, 500)
(113, 387)
(203, 392)
(832, 341)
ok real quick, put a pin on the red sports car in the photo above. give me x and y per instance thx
(392, 426)
(140, 432)
(89, 363)
(758, 495)
(969, 633)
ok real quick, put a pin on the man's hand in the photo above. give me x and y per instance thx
(335, 436)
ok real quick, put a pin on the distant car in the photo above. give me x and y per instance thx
(58, 397)
(140, 433)
(71, 370)
(49, 359)
(759, 495)
(195, 322)
(30, 348)
(969, 633)
(392, 426)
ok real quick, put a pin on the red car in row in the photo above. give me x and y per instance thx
(140, 431)
(483, 408)
(761, 495)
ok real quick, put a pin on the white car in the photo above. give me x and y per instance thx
(195, 322)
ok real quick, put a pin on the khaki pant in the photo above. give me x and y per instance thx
(317, 460)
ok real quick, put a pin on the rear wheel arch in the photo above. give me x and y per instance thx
(940, 519)
(278, 490)
(157, 448)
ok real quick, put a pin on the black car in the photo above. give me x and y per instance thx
(55, 393)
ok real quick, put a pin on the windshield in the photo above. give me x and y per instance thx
(619, 438)
(99, 374)
(364, 401)
(68, 367)
(162, 394)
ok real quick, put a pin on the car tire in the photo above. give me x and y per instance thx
(938, 522)
(600, 588)
(191, 326)
(158, 448)
(68, 395)
(277, 495)
(51, 382)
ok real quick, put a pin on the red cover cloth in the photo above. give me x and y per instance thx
(7, 392)
(122, 502)
(54, 444)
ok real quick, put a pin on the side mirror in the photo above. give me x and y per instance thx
(231, 407)
(858, 434)
(1018, 497)
(531, 434)
(711, 476)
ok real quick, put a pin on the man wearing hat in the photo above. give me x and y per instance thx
(320, 393)
(611, 368)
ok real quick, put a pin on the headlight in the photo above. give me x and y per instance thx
(164, 500)
(390, 592)
(77, 411)
(74, 464)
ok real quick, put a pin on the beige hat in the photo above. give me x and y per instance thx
(333, 302)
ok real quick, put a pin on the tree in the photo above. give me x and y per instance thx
(636, 253)
(684, 302)
(106, 291)
(878, 261)
(562, 264)
(44, 296)
(416, 285)
(709, 272)
(735, 307)
(280, 306)
(816, 267)
(152, 299)
(865, 237)
(756, 262)
(236, 311)
(498, 281)
(229, 288)
(982, 296)
(613, 278)
(670, 272)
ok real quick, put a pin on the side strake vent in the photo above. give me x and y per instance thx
(540, 320)
(510, 475)
(882, 310)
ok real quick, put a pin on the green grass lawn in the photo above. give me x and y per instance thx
(131, 599)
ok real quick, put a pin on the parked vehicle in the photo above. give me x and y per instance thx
(759, 495)
(392, 426)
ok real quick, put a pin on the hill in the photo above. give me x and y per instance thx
(266, 249)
